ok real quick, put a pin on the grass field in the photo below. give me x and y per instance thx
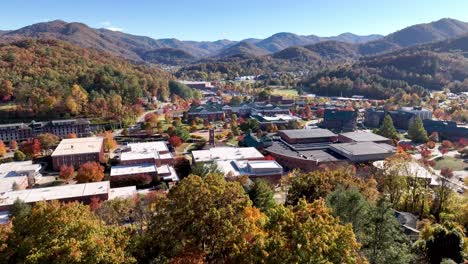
(7, 106)
(285, 92)
(451, 163)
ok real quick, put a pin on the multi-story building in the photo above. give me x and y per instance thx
(339, 120)
(447, 129)
(61, 128)
(18, 132)
(215, 111)
(312, 150)
(402, 118)
(77, 151)
(145, 158)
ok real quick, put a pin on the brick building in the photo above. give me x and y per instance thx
(61, 128)
(77, 151)
(339, 120)
(84, 193)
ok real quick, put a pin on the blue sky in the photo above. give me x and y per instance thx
(236, 19)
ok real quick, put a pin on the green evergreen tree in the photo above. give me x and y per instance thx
(387, 129)
(261, 195)
(351, 207)
(20, 209)
(384, 242)
(416, 131)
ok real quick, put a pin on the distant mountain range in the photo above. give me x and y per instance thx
(281, 45)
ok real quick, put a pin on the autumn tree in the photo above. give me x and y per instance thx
(19, 156)
(182, 133)
(307, 233)
(13, 144)
(109, 141)
(3, 149)
(118, 211)
(48, 140)
(67, 172)
(72, 135)
(318, 184)
(65, 233)
(387, 129)
(417, 132)
(90, 172)
(182, 167)
(151, 118)
(175, 141)
(209, 215)
(31, 148)
(6, 90)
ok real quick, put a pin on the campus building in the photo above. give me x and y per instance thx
(60, 128)
(402, 118)
(339, 120)
(21, 174)
(85, 193)
(269, 170)
(145, 158)
(226, 153)
(447, 129)
(310, 149)
(77, 151)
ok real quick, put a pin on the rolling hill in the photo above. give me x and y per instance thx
(418, 34)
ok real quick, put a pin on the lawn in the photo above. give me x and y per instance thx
(285, 92)
(450, 162)
(7, 106)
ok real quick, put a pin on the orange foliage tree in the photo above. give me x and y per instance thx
(90, 172)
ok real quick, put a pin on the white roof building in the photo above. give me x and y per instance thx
(226, 153)
(68, 191)
(146, 150)
(18, 172)
(255, 168)
(74, 146)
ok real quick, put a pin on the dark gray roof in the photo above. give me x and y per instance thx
(362, 148)
(363, 136)
(308, 133)
(314, 155)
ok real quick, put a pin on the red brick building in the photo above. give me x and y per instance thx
(77, 151)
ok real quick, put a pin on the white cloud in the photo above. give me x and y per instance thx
(114, 28)
(108, 25)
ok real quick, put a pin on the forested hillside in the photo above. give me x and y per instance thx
(56, 79)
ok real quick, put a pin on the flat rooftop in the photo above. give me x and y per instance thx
(245, 167)
(74, 146)
(226, 153)
(122, 192)
(55, 193)
(363, 136)
(16, 171)
(133, 169)
(308, 133)
(145, 150)
(319, 155)
(362, 148)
